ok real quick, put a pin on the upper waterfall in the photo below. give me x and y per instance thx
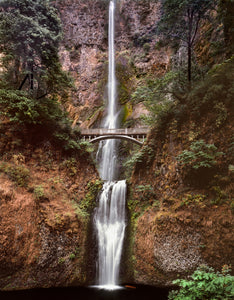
(107, 149)
(111, 119)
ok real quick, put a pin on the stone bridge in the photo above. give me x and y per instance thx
(135, 135)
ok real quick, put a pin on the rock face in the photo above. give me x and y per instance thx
(84, 52)
(43, 219)
(44, 197)
(180, 226)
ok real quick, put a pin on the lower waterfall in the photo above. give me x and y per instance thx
(110, 224)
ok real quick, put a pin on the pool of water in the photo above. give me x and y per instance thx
(85, 293)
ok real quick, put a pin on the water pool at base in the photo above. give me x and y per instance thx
(131, 292)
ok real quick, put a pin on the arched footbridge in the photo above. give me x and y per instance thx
(135, 135)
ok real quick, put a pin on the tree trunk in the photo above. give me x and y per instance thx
(31, 79)
(189, 64)
(23, 82)
(190, 28)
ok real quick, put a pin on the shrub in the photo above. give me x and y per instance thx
(146, 192)
(71, 166)
(199, 163)
(43, 118)
(201, 155)
(19, 174)
(72, 256)
(145, 155)
(38, 192)
(22, 109)
(215, 93)
(205, 283)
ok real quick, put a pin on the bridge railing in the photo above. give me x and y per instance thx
(122, 131)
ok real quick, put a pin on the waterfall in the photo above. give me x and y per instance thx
(110, 224)
(109, 217)
(108, 148)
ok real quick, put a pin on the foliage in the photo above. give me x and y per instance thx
(180, 22)
(145, 155)
(19, 174)
(205, 283)
(146, 192)
(44, 117)
(72, 256)
(39, 192)
(215, 92)
(199, 163)
(168, 99)
(220, 195)
(30, 32)
(88, 203)
(200, 155)
(71, 165)
(191, 199)
(20, 108)
(160, 96)
(158, 90)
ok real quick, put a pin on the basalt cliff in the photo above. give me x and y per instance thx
(47, 198)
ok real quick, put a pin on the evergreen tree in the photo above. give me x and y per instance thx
(30, 32)
(180, 22)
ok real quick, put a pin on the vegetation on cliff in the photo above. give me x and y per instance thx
(186, 165)
(48, 183)
(181, 180)
(33, 85)
(180, 23)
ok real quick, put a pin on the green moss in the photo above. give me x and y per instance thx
(89, 202)
(126, 112)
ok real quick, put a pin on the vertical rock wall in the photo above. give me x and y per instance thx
(84, 52)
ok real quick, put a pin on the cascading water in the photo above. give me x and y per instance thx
(110, 214)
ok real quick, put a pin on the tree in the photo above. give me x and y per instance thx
(30, 32)
(180, 22)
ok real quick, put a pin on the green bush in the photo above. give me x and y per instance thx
(215, 93)
(43, 118)
(201, 155)
(19, 174)
(146, 192)
(39, 192)
(206, 284)
(145, 155)
(20, 108)
(72, 256)
(199, 164)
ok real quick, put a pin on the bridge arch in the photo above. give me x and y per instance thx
(122, 137)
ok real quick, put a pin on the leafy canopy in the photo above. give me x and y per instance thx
(30, 30)
(181, 18)
(180, 22)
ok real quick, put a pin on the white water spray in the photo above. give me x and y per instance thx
(110, 214)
